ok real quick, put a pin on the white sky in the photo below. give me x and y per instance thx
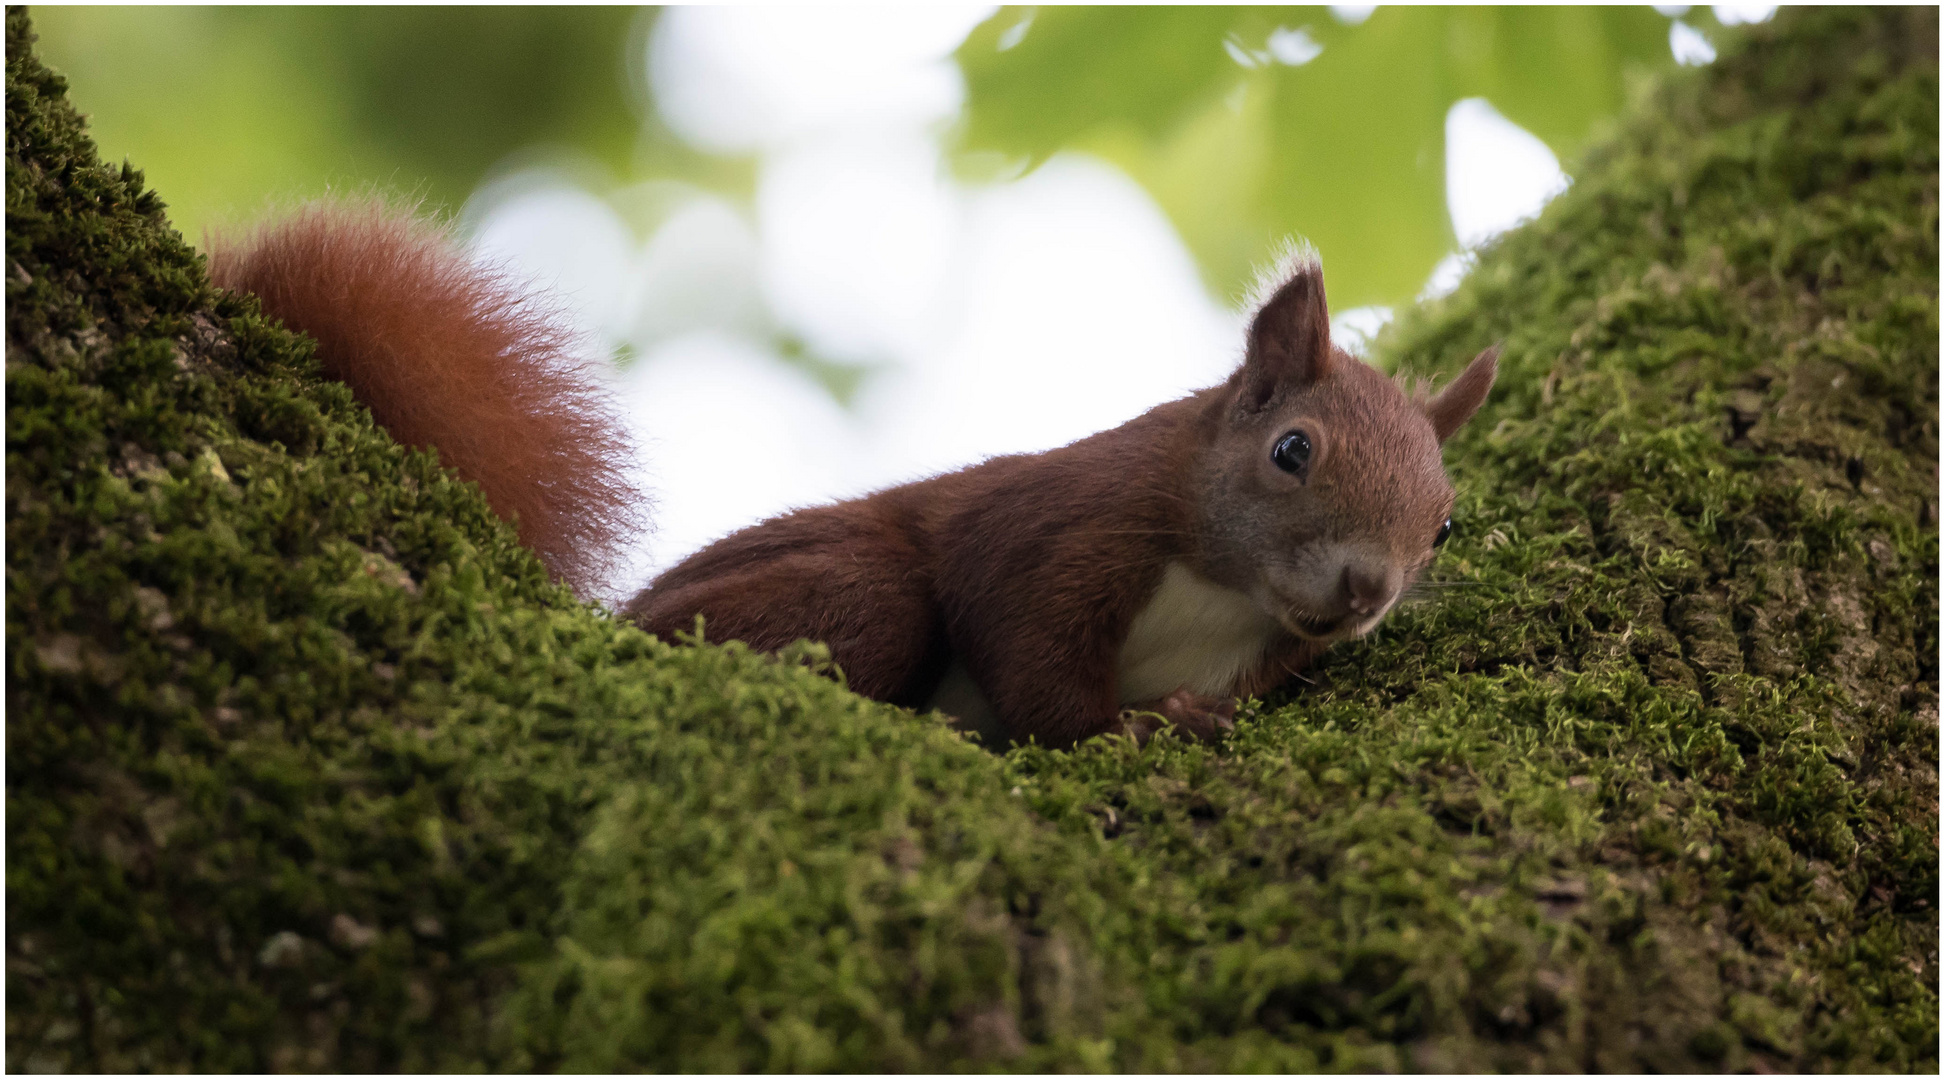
(998, 318)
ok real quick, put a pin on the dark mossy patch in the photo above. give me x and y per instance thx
(309, 767)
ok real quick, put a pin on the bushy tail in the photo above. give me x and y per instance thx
(449, 355)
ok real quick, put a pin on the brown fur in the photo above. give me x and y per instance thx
(455, 357)
(1030, 569)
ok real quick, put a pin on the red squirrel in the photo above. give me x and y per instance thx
(1204, 550)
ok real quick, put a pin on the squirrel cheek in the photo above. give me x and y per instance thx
(1300, 596)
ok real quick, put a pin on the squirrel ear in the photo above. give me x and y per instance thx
(1289, 338)
(1456, 403)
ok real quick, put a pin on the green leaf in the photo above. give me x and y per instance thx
(1245, 147)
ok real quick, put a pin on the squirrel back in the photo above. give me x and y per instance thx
(457, 357)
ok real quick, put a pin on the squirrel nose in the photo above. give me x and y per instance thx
(1370, 588)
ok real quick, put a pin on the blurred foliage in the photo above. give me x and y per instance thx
(227, 107)
(1250, 125)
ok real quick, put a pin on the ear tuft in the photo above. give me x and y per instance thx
(1289, 337)
(1456, 403)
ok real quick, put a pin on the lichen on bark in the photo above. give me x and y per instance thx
(310, 768)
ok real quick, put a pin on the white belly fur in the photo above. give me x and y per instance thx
(1192, 633)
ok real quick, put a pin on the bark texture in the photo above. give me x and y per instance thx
(309, 767)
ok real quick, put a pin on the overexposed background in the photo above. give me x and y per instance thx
(996, 318)
(820, 301)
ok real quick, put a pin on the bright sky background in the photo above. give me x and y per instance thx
(998, 318)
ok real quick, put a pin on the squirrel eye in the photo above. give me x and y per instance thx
(1292, 453)
(1444, 533)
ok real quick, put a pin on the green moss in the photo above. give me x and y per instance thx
(309, 767)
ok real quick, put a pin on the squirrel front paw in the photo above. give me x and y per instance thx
(1195, 715)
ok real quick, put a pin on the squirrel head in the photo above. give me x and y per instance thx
(1322, 492)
